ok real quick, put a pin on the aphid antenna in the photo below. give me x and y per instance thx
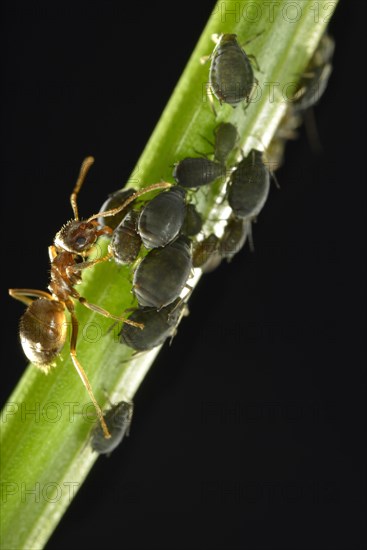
(208, 140)
(251, 39)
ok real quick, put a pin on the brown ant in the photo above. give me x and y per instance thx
(43, 325)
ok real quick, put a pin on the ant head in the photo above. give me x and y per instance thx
(77, 236)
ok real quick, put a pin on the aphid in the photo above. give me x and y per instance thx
(234, 237)
(231, 77)
(314, 82)
(206, 254)
(249, 186)
(118, 420)
(195, 172)
(158, 326)
(126, 242)
(226, 137)
(162, 274)
(287, 130)
(114, 200)
(193, 222)
(161, 219)
(43, 325)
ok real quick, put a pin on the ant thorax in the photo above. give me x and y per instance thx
(77, 237)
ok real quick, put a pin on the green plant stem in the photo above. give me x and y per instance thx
(45, 426)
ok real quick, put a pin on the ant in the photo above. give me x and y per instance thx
(43, 325)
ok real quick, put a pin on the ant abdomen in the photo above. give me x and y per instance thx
(43, 331)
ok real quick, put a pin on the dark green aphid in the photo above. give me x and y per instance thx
(249, 186)
(206, 254)
(114, 200)
(287, 130)
(193, 222)
(314, 83)
(118, 420)
(161, 219)
(195, 172)
(231, 76)
(226, 138)
(163, 273)
(234, 237)
(126, 242)
(158, 326)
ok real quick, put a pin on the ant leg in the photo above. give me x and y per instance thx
(105, 313)
(72, 269)
(80, 370)
(52, 252)
(84, 169)
(23, 295)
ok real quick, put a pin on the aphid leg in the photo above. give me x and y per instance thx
(135, 355)
(23, 295)
(211, 101)
(201, 154)
(250, 237)
(80, 370)
(84, 169)
(105, 313)
(254, 60)
(204, 59)
(312, 132)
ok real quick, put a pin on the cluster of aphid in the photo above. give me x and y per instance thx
(310, 89)
(158, 238)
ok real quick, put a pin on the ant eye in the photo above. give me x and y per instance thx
(80, 242)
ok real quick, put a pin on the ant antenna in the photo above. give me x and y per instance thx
(84, 169)
(113, 211)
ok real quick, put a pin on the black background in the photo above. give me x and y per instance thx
(248, 431)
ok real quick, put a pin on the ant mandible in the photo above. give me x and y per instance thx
(43, 327)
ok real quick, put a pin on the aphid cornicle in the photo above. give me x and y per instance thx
(118, 419)
(161, 218)
(158, 326)
(249, 186)
(43, 325)
(162, 274)
(226, 138)
(114, 200)
(231, 76)
(126, 242)
(194, 172)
